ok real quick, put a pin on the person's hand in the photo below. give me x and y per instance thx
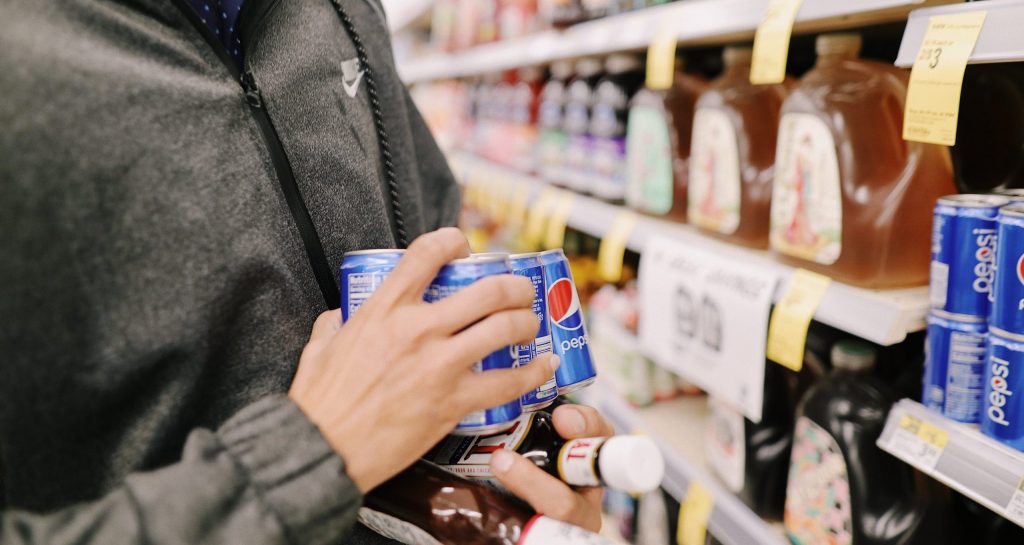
(392, 381)
(546, 494)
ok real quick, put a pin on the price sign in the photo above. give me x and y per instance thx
(771, 42)
(933, 96)
(661, 59)
(694, 513)
(787, 332)
(705, 318)
(917, 442)
(1015, 509)
(613, 247)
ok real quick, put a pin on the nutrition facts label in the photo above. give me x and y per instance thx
(965, 376)
(361, 286)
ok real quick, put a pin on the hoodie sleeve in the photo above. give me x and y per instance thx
(267, 476)
(441, 196)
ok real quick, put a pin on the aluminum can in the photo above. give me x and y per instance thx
(954, 366)
(1004, 388)
(568, 332)
(963, 253)
(528, 266)
(1008, 283)
(362, 272)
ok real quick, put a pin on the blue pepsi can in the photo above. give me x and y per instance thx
(528, 266)
(1008, 285)
(1004, 388)
(362, 272)
(453, 277)
(954, 366)
(963, 253)
(568, 332)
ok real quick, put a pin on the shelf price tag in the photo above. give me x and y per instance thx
(787, 331)
(520, 195)
(661, 59)
(771, 42)
(1015, 509)
(560, 209)
(536, 216)
(613, 247)
(694, 513)
(918, 442)
(933, 96)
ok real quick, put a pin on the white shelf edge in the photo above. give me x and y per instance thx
(977, 466)
(698, 22)
(884, 317)
(998, 41)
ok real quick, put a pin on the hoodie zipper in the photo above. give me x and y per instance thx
(282, 167)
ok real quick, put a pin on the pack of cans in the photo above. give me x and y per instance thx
(955, 365)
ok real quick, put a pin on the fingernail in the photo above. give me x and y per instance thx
(577, 423)
(501, 461)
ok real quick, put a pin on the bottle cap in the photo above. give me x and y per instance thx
(853, 355)
(843, 43)
(561, 70)
(622, 62)
(737, 54)
(587, 66)
(631, 463)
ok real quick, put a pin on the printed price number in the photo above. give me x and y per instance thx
(919, 442)
(929, 56)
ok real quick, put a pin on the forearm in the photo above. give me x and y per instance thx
(265, 477)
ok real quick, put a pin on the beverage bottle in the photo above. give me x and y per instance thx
(563, 13)
(989, 150)
(552, 142)
(852, 199)
(843, 489)
(658, 145)
(576, 123)
(609, 107)
(628, 463)
(733, 153)
(525, 102)
(426, 505)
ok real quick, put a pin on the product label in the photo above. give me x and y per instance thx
(807, 202)
(394, 528)
(471, 456)
(576, 461)
(360, 286)
(938, 283)
(608, 158)
(547, 531)
(714, 185)
(965, 376)
(818, 508)
(649, 160)
(726, 445)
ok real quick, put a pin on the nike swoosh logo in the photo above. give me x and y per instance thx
(352, 88)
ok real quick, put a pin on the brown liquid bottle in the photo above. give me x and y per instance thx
(658, 145)
(851, 198)
(426, 505)
(732, 154)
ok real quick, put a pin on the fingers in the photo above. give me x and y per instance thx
(326, 325)
(575, 421)
(495, 387)
(546, 494)
(494, 332)
(483, 298)
(425, 256)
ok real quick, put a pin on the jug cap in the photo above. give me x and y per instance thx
(839, 43)
(737, 54)
(619, 63)
(561, 69)
(631, 463)
(587, 66)
(853, 355)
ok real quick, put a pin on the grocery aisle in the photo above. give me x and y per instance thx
(763, 262)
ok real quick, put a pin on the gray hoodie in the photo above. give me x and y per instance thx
(168, 237)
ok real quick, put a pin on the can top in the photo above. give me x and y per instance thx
(1015, 209)
(1016, 337)
(1011, 192)
(490, 257)
(553, 251)
(967, 318)
(375, 251)
(524, 255)
(970, 200)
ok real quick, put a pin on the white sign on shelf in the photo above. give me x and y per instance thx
(917, 442)
(706, 318)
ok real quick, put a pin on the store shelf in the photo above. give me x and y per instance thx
(678, 428)
(999, 40)
(695, 22)
(959, 456)
(884, 317)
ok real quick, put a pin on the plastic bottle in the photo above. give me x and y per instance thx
(525, 102)
(852, 199)
(608, 117)
(576, 123)
(733, 153)
(563, 13)
(552, 142)
(658, 145)
(989, 150)
(427, 505)
(843, 489)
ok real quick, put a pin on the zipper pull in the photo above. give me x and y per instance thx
(252, 93)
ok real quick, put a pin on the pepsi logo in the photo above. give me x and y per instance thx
(1020, 269)
(564, 305)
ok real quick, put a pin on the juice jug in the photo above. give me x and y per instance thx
(733, 152)
(609, 107)
(658, 145)
(851, 198)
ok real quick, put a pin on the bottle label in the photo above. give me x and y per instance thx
(547, 531)
(471, 456)
(714, 188)
(576, 461)
(726, 447)
(807, 201)
(648, 160)
(394, 528)
(818, 508)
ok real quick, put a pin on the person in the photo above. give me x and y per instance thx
(179, 180)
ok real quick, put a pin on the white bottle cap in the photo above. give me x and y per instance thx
(631, 463)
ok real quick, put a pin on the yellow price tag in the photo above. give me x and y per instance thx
(536, 216)
(694, 513)
(771, 42)
(787, 328)
(928, 433)
(519, 195)
(613, 247)
(933, 97)
(661, 60)
(555, 235)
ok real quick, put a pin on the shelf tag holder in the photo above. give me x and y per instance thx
(536, 216)
(661, 59)
(933, 95)
(771, 42)
(918, 442)
(787, 328)
(694, 513)
(613, 247)
(555, 235)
